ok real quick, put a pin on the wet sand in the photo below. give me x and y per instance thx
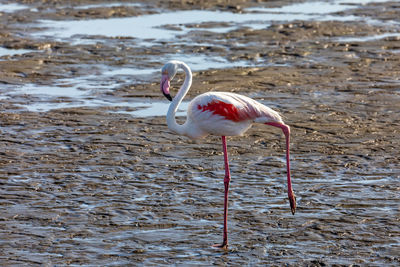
(97, 185)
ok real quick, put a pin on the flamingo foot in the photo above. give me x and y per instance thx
(292, 201)
(224, 245)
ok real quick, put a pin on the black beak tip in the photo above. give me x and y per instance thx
(168, 96)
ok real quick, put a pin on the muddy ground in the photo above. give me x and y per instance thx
(96, 186)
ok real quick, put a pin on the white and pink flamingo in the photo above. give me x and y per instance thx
(222, 114)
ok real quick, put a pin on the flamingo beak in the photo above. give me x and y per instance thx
(165, 84)
(292, 201)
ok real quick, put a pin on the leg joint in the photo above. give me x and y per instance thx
(227, 179)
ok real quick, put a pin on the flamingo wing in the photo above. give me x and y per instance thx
(228, 114)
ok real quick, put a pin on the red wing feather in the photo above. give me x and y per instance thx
(229, 111)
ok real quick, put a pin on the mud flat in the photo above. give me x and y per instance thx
(91, 175)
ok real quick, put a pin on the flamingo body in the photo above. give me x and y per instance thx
(223, 114)
(226, 114)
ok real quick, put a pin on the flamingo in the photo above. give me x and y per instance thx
(222, 114)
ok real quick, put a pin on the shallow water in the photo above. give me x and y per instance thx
(10, 8)
(368, 38)
(91, 175)
(12, 52)
(69, 95)
(87, 205)
(152, 27)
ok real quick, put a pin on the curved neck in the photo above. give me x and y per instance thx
(172, 124)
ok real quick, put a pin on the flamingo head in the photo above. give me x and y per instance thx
(167, 74)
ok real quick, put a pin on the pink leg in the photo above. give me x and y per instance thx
(227, 178)
(286, 131)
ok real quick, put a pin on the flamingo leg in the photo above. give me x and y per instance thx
(227, 179)
(286, 131)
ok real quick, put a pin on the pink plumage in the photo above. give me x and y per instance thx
(228, 114)
(223, 114)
